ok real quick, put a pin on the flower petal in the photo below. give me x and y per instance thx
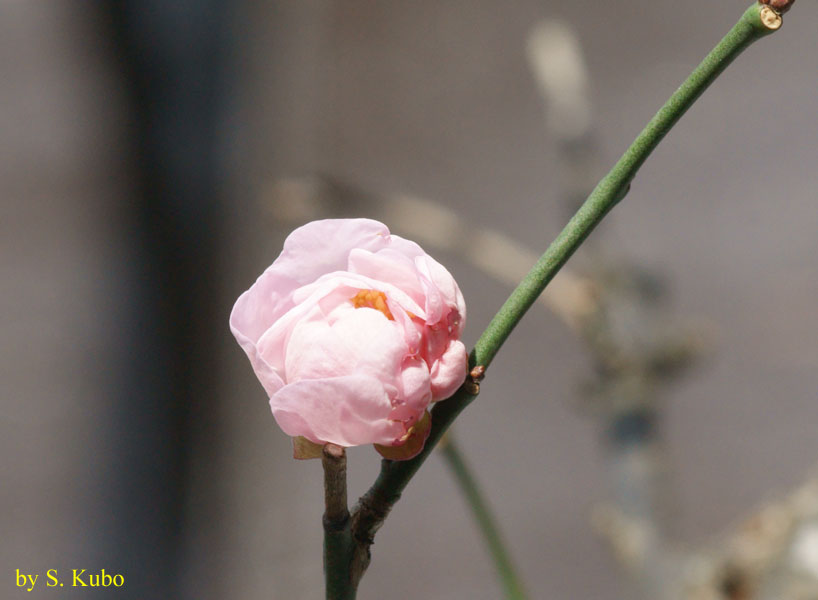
(390, 267)
(449, 371)
(415, 384)
(412, 445)
(361, 340)
(310, 251)
(348, 411)
(322, 247)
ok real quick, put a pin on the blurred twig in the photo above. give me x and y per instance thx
(632, 345)
(774, 554)
(498, 255)
(512, 586)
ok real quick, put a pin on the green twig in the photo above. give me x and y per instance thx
(375, 505)
(753, 25)
(485, 520)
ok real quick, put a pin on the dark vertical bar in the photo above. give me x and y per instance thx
(171, 57)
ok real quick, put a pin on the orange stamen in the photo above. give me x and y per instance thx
(372, 299)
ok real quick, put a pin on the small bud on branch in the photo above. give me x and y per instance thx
(779, 6)
(472, 383)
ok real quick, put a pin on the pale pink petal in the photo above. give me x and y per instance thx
(435, 306)
(270, 379)
(310, 251)
(272, 346)
(412, 327)
(410, 445)
(437, 339)
(314, 302)
(390, 267)
(449, 371)
(355, 281)
(317, 302)
(415, 384)
(322, 247)
(406, 247)
(260, 306)
(361, 341)
(252, 315)
(446, 291)
(348, 411)
(404, 414)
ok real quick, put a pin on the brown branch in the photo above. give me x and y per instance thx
(367, 518)
(337, 534)
(335, 485)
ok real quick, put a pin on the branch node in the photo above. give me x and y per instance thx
(779, 6)
(770, 18)
(472, 383)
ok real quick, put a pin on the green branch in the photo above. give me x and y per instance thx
(375, 505)
(616, 183)
(485, 520)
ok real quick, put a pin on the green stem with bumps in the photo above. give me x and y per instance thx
(616, 183)
(375, 505)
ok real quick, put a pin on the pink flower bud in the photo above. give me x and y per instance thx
(352, 332)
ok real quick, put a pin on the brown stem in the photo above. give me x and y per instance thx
(367, 518)
(335, 484)
(337, 533)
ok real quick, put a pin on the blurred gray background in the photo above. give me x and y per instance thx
(133, 434)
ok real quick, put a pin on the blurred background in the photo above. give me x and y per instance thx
(154, 156)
